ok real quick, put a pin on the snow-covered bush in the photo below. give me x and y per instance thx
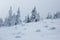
(17, 36)
(57, 15)
(27, 19)
(49, 16)
(38, 30)
(52, 28)
(6, 22)
(1, 22)
(46, 26)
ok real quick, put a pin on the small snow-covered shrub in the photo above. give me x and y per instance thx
(25, 28)
(57, 15)
(49, 16)
(52, 22)
(52, 28)
(46, 26)
(45, 22)
(1, 22)
(38, 30)
(17, 36)
(19, 33)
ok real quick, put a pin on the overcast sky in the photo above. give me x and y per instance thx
(26, 6)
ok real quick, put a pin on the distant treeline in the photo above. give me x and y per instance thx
(14, 19)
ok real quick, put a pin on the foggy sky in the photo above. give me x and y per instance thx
(26, 6)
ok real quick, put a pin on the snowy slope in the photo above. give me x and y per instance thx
(43, 30)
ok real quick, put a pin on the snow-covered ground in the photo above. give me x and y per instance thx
(43, 30)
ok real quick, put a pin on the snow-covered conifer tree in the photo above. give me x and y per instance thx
(10, 17)
(18, 21)
(14, 19)
(8, 20)
(35, 16)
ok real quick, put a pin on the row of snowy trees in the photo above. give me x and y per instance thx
(55, 16)
(14, 19)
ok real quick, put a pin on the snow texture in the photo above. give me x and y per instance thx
(48, 29)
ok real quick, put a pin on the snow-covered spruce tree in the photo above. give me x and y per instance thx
(18, 21)
(1, 22)
(27, 19)
(49, 16)
(10, 17)
(13, 19)
(8, 20)
(57, 15)
(35, 16)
